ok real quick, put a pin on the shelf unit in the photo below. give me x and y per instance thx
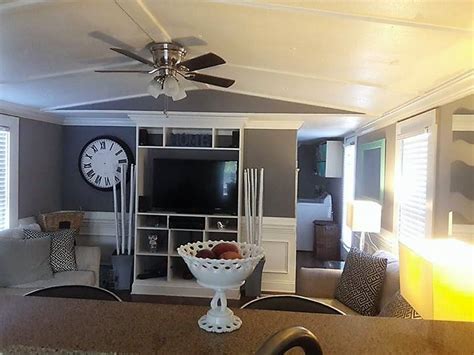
(329, 159)
(174, 279)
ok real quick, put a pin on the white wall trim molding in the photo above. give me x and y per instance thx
(451, 90)
(463, 122)
(98, 121)
(20, 111)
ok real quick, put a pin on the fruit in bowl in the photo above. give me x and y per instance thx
(222, 250)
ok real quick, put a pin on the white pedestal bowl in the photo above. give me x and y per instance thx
(220, 275)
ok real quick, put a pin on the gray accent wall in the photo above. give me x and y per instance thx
(40, 167)
(389, 133)
(454, 178)
(77, 194)
(209, 101)
(274, 150)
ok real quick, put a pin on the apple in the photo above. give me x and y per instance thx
(205, 254)
(225, 247)
(230, 255)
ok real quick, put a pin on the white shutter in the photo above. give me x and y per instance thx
(4, 178)
(414, 184)
(412, 214)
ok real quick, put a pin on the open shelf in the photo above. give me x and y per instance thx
(179, 271)
(145, 263)
(143, 241)
(145, 221)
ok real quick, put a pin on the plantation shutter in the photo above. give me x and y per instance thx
(414, 174)
(415, 183)
(4, 177)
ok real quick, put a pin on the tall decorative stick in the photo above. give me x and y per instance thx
(117, 230)
(260, 208)
(130, 209)
(246, 200)
(123, 187)
(254, 206)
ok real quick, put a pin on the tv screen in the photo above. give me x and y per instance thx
(195, 186)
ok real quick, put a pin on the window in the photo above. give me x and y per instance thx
(8, 171)
(349, 186)
(4, 178)
(415, 176)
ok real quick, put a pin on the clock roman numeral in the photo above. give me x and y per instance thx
(119, 152)
(111, 146)
(90, 174)
(122, 161)
(98, 179)
(94, 148)
(87, 166)
(117, 179)
(102, 145)
(89, 156)
(107, 181)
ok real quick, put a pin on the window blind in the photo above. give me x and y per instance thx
(4, 178)
(413, 203)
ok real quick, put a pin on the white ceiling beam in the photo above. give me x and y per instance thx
(343, 15)
(451, 90)
(139, 13)
(21, 111)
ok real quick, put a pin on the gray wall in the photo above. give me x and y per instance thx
(77, 194)
(274, 150)
(209, 101)
(454, 178)
(40, 167)
(308, 180)
(389, 133)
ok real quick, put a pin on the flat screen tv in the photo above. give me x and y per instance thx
(195, 186)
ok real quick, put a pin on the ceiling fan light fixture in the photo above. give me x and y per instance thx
(155, 88)
(171, 86)
(180, 95)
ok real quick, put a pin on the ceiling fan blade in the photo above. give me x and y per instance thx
(133, 56)
(203, 61)
(123, 71)
(209, 79)
(111, 40)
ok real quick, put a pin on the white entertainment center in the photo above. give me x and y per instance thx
(225, 140)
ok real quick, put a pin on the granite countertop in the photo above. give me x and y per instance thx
(104, 326)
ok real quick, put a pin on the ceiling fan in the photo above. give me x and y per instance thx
(168, 65)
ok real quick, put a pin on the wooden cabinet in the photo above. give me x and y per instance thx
(326, 240)
(329, 159)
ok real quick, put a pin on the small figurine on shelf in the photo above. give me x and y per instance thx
(153, 243)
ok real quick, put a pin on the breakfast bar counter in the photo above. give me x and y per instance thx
(103, 326)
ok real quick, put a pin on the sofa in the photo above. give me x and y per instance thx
(87, 273)
(320, 284)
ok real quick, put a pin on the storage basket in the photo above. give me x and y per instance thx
(54, 221)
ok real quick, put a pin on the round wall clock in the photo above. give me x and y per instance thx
(100, 160)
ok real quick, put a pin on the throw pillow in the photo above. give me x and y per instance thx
(361, 282)
(17, 232)
(23, 261)
(398, 307)
(63, 256)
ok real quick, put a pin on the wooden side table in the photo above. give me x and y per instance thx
(326, 240)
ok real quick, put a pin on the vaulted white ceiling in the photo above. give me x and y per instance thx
(362, 56)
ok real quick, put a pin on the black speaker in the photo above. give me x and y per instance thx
(143, 137)
(144, 204)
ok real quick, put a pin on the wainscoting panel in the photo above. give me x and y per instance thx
(98, 229)
(279, 242)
